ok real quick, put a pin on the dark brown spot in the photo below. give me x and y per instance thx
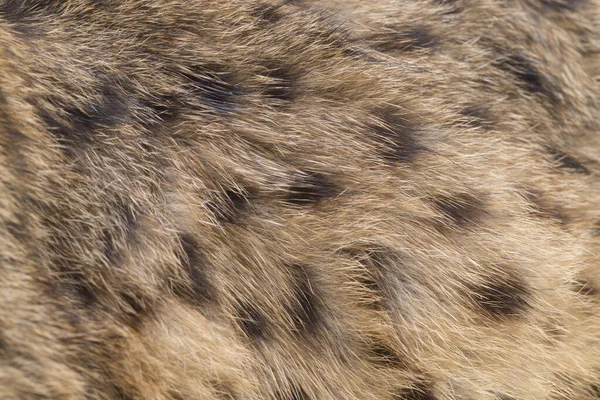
(213, 87)
(528, 76)
(501, 296)
(163, 108)
(224, 391)
(76, 286)
(382, 354)
(478, 117)
(566, 161)
(199, 291)
(17, 229)
(136, 308)
(19, 10)
(74, 126)
(305, 309)
(419, 392)
(374, 263)
(310, 188)
(235, 201)
(268, 12)
(560, 5)
(585, 288)
(282, 82)
(544, 208)
(403, 40)
(295, 392)
(461, 209)
(252, 321)
(397, 135)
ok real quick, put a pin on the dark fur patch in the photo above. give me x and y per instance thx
(17, 229)
(501, 296)
(252, 321)
(403, 40)
(109, 248)
(310, 188)
(282, 84)
(136, 309)
(560, 5)
(528, 76)
(543, 208)
(76, 127)
(419, 392)
(295, 393)
(305, 309)
(397, 134)
(372, 278)
(18, 10)
(566, 161)
(269, 13)
(382, 354)
(478, 116)
(235, 202)
(462, 209)
(585, 288)
(196, 266)
(213, 86)
(224, 391)
(163, 108)
(77, 287)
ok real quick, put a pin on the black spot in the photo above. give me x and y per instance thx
(403, 40)
(397, 134)
(252, 321)
(18, 10)
(163, 108)
(528, 76)
(213, 86)
(560, 5)
(382, 354)
(419, 392)
(196, 266)
(109, 248)
(585, 288)
(224, 391)
(268, 13)
(372, 277)
(136, 308)
(596, 390)
(235, 202)
(478, 116)
(75, 125)
(462, 209)
(310, 188)
(295, 392)
(504, 396)
(305, 308)
(282, 82)
(544, 208)
(566, 161)
(17, 229)
(501, 296)
(120, 393)
(78, 288)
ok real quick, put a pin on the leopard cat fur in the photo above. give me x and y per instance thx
(300, 200)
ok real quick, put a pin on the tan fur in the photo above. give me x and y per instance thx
(299, 200)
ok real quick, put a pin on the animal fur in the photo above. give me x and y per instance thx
(370, 200)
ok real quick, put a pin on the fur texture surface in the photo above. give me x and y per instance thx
(370, 200)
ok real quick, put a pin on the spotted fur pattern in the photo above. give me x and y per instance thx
(300, 200)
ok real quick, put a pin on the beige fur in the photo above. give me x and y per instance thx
(390, 199)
